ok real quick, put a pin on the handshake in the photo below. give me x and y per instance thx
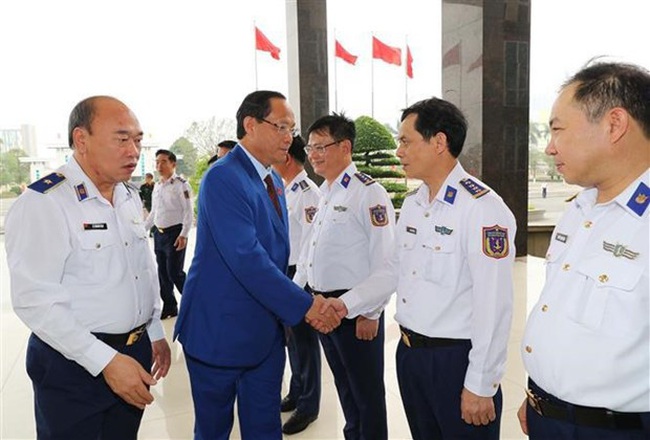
(325, 314)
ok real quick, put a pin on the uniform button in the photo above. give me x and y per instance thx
(529, 349)
(126, 243)
(426, 214)
(414, 272)
(136, 277)
(404, 300)
(588, 224)
(309, 264)
(603, 278)
(320, 223)
(544, 308)
(566, 267)
(495, 385)
(313, 243)
(98, 245)
(437, 248)
(326, 203)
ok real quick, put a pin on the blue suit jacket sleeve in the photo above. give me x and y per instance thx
(237, 294)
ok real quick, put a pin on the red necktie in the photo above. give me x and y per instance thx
(270, 188)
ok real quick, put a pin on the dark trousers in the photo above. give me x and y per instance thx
(304, 358)
(170, 265)
(256, 388)
(71, 404)
(430, 382)
(358, 369)
(546, 428)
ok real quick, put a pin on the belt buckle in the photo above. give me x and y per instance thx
(533, 401)
(135, 335)
(405, 339)
(161, 230)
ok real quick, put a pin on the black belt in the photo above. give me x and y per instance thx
(415, 340)
(330, 294)
(169, 228)
(547, 405)
(128, 338)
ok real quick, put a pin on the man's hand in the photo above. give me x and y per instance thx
(521, 415)
(476, 410)
(367, 328)
(162, 358)
(180, 243)
(337, 305)
(126, 377)
(322, 318)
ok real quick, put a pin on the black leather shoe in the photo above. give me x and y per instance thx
(297, 423)
(287, 404)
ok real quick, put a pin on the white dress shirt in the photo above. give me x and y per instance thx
(352, 234)
(171, 204)
(587, 340)
(302, 196)
(79, 265)
(452, 268)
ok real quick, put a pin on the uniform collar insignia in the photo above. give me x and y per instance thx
(82, 193)
(619, 250)
(345, 180)
(450, 194)
(640, 199)
(294, 187)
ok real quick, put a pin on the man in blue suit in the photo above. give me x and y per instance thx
(237, 297)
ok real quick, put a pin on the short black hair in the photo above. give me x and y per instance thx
(297, 149)
(227, 144)
(257, 105)
(601, 86)
(169, 154)
(435, 115)
(339, 127)
(82, 116)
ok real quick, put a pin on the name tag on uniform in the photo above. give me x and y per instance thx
(411, 230)
(95, 226)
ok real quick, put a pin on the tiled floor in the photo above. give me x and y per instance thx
(171, 416)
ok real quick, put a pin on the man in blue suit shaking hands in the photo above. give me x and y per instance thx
(237, 297)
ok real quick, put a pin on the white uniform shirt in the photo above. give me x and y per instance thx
(171, 204)
(452, 268)
(79, 265)
(587, 341)
(352, 234)
(302, 196)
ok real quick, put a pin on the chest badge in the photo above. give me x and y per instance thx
(443, 230)
(618, 250)
(310, 213)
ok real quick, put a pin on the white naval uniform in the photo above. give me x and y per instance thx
(450, 281)
(352, 234)
(302, 196)
(171, 204)
(587, 340)
(79, 265)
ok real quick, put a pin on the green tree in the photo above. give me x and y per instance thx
(374, 154)
(205, 135)
(186, 156)
(12, 171)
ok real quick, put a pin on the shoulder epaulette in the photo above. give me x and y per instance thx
(304, 185)
(364, 178)
(47, 183)
(474, 188)
(180, 179)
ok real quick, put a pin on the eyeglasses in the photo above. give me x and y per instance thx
(320, 149)
(282, 129)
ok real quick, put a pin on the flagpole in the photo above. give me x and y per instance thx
(406, 76)
(372, 81)
(255, 50)
(336, 85)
